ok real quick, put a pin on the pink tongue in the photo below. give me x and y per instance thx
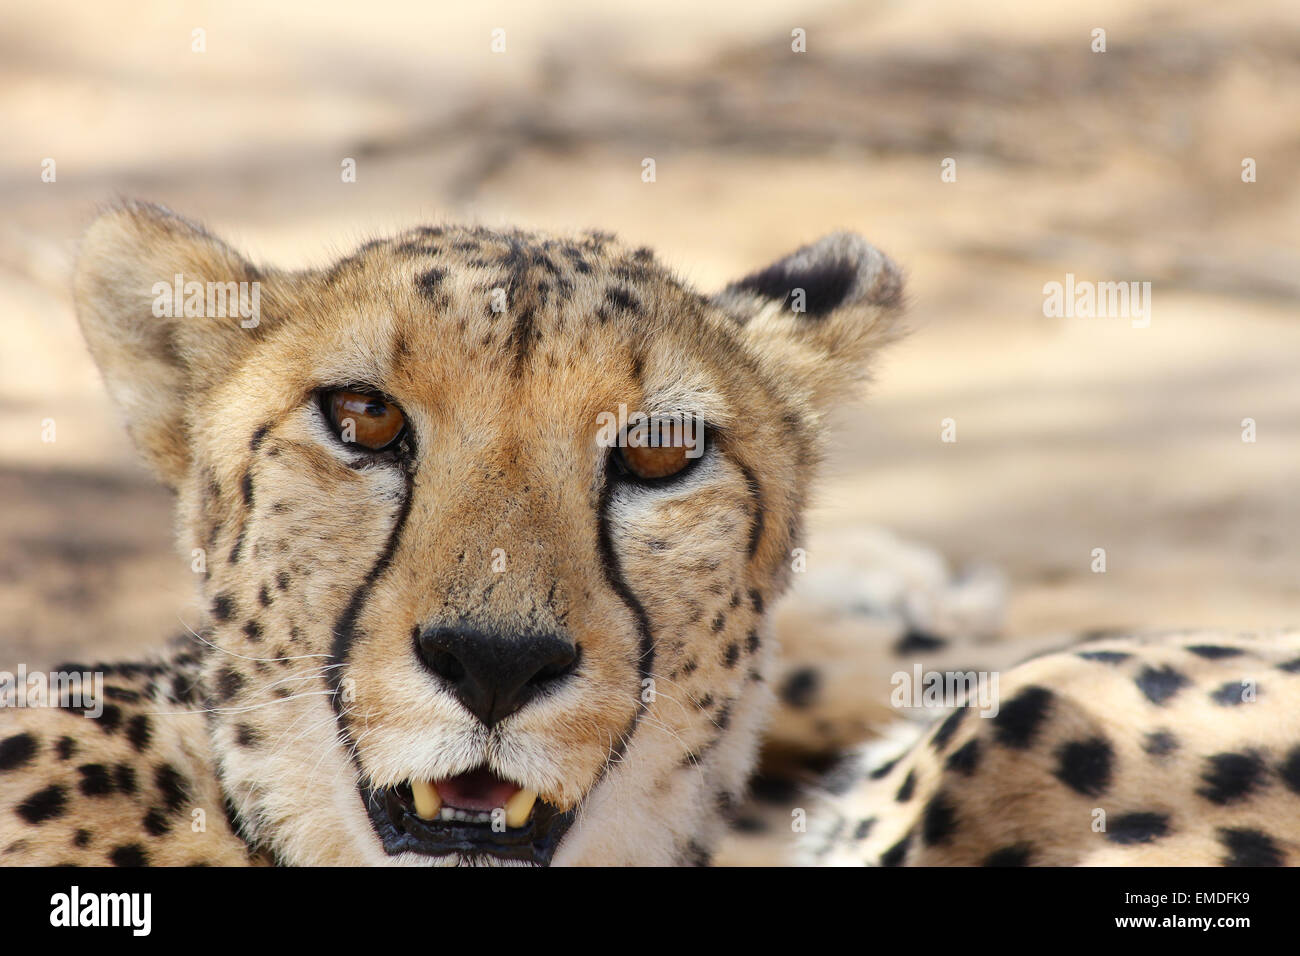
(479, 789)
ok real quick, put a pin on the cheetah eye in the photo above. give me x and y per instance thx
(357, 418)
(656, 449)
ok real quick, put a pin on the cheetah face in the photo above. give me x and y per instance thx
(459, 608)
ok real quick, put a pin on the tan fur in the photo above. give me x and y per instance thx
(252, 741)
(1012, 795)
(306, 541)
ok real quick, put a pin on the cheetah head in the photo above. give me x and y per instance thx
(484, 522)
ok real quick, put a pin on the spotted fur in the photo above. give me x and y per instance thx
(1172, 750)
(254, 739)
(301, 687)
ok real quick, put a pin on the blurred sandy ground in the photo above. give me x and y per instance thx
(1072, 434)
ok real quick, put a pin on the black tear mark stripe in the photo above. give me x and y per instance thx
(756, 496)
(345, 626)
(613, 570)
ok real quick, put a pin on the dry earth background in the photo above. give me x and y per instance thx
(1072, 433)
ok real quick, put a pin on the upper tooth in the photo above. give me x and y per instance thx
(519, 806)
(427, 801)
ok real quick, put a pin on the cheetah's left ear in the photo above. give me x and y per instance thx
(818, 316)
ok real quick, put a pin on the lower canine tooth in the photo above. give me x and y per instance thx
(519, 806)
(427, 801)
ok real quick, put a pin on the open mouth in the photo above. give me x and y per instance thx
(473, 814)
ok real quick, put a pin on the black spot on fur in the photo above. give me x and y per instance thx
(171, 785)
(1214, 652)
(182, 689)
(756, 601)
(622, 300)
(800, 688)
(81, 838)
(17, 751)
(751, 642)
(723, 718)
(1159, 743)
(1230, 777)
(263, 596)
(223, 607)
(965, 758)
(864, 827)
(1290, 770)
(908, 788)
(253, 631)
(246, 735)
(282, 580)
(1248, 847)
(732, 655)
(246, 489)
(1017, 854)
(1160, 685)
(1291, 667)
(895, 855)
(66, 748)
(939, 821)
(427, 282)
(229, 684)
(131, 854)
(696, 855)
(916, 641)
(774, 789)
(95, 781)
(1019, 720)
(947, 729)
(1132, 828)
(1105, 657)
(124, 777)
(109, 720)
(155, 822)
(1230, 694)
(719, 623)
(44, 805)
(139, 732)
(883, 770)
(1086, 765)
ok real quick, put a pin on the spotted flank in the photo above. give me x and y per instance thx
(1093, 762)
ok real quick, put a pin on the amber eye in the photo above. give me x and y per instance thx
(658, 449)
(365, 420)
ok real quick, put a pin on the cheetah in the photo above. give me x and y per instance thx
(488, 527)
(444, 622)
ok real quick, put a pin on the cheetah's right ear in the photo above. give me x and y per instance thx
(817, 316)
(158, 350)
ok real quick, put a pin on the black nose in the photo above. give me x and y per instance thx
(495, 674)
